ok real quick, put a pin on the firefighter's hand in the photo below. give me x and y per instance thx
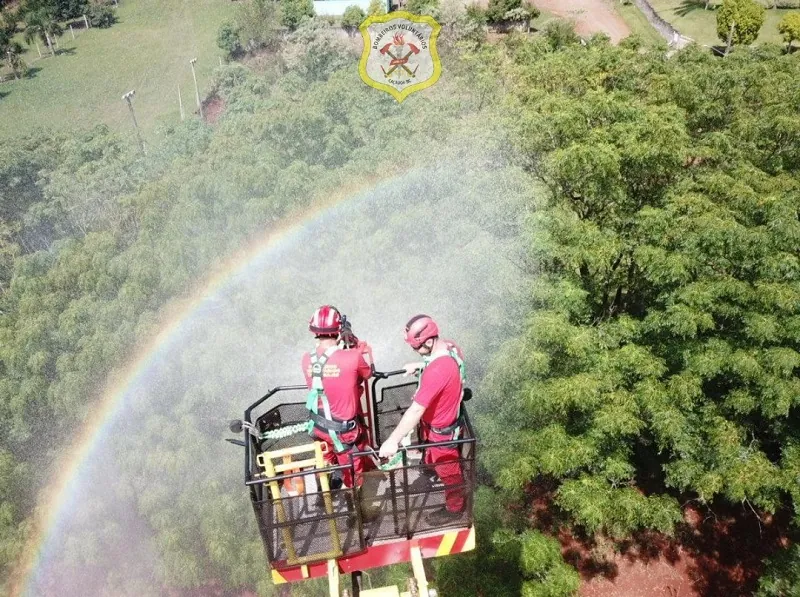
(388, 449)
(349, 338)
(412, 368)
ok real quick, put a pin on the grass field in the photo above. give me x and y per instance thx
(639, 25)
(689, 17)
(147, 50)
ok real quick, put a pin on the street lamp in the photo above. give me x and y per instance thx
(127, 97)
(196, 90)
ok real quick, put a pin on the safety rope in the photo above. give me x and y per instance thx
(283, 432)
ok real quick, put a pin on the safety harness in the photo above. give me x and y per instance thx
(316, 395)
(455, 427)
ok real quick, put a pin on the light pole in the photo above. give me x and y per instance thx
(127, 97)
(196, 90)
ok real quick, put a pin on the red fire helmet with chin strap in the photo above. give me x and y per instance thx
(420, 329)
(326, 321)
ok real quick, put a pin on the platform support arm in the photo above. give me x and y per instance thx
(419, 570)
(333, 578)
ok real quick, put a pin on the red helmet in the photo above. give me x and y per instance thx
(326, 321)
(420, 329)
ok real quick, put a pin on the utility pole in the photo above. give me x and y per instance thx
(180, 103)
(196, 89)
(127, 97)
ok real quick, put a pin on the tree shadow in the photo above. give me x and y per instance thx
(32, 72)
(718, 51)
(728, 548)
(4, 94)
(65, 52)
(688, 6)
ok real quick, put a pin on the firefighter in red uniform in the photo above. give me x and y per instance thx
(335, 374)
(437, 408)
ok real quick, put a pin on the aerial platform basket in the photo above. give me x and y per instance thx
(311, 529)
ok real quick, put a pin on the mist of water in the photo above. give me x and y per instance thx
(164, 495)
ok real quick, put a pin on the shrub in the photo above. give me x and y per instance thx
(513, 10)
(560, 33)
(228, 39)
(353, 17)
(477, 14)
(295, 12)
(423, 7)
(259, 24)
(789, 27)
(101, 16)
(376, 8)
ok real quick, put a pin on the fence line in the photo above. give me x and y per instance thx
(667, 31)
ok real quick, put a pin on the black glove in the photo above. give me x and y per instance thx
(346, 335)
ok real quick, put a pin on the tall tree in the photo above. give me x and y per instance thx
(661, 342)
(739, 21)
(789, 28)
(42, 24)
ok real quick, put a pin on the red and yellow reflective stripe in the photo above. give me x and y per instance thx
(446, 546)
(277, 577)
(456, 542)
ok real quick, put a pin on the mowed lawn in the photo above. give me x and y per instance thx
(638, 23)
(689, 17)
(147, 50)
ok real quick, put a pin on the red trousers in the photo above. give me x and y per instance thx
(446, 463)
(361, 464)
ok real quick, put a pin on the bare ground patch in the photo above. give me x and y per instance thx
(590, 16)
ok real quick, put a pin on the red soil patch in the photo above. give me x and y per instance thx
(591, 16)
(213, 108)
(712, 554)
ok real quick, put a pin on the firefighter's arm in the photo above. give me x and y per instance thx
(409, 422)
(412, 368)
(364, 369)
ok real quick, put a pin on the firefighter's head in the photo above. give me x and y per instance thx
(421, 333)
(326, 322)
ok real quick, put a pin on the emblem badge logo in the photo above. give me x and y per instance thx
(400, 54)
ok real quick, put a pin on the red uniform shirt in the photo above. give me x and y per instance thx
(440, 391)
(341, 380)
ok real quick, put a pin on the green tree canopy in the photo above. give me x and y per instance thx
(376, 8)
(353, 17)
(744, 17)
(295, 11)
(789, 28)
(661, 342)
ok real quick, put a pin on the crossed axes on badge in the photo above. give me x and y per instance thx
(401, 62)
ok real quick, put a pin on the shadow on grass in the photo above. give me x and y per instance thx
(9, 78)
(4, 94)
(688, 6)
(65, 52)
(718, 51)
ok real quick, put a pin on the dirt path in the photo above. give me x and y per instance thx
(591, 16)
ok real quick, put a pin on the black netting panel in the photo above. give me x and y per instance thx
(397, 503)
(283, 416)
(395, 401)
(305, 529)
